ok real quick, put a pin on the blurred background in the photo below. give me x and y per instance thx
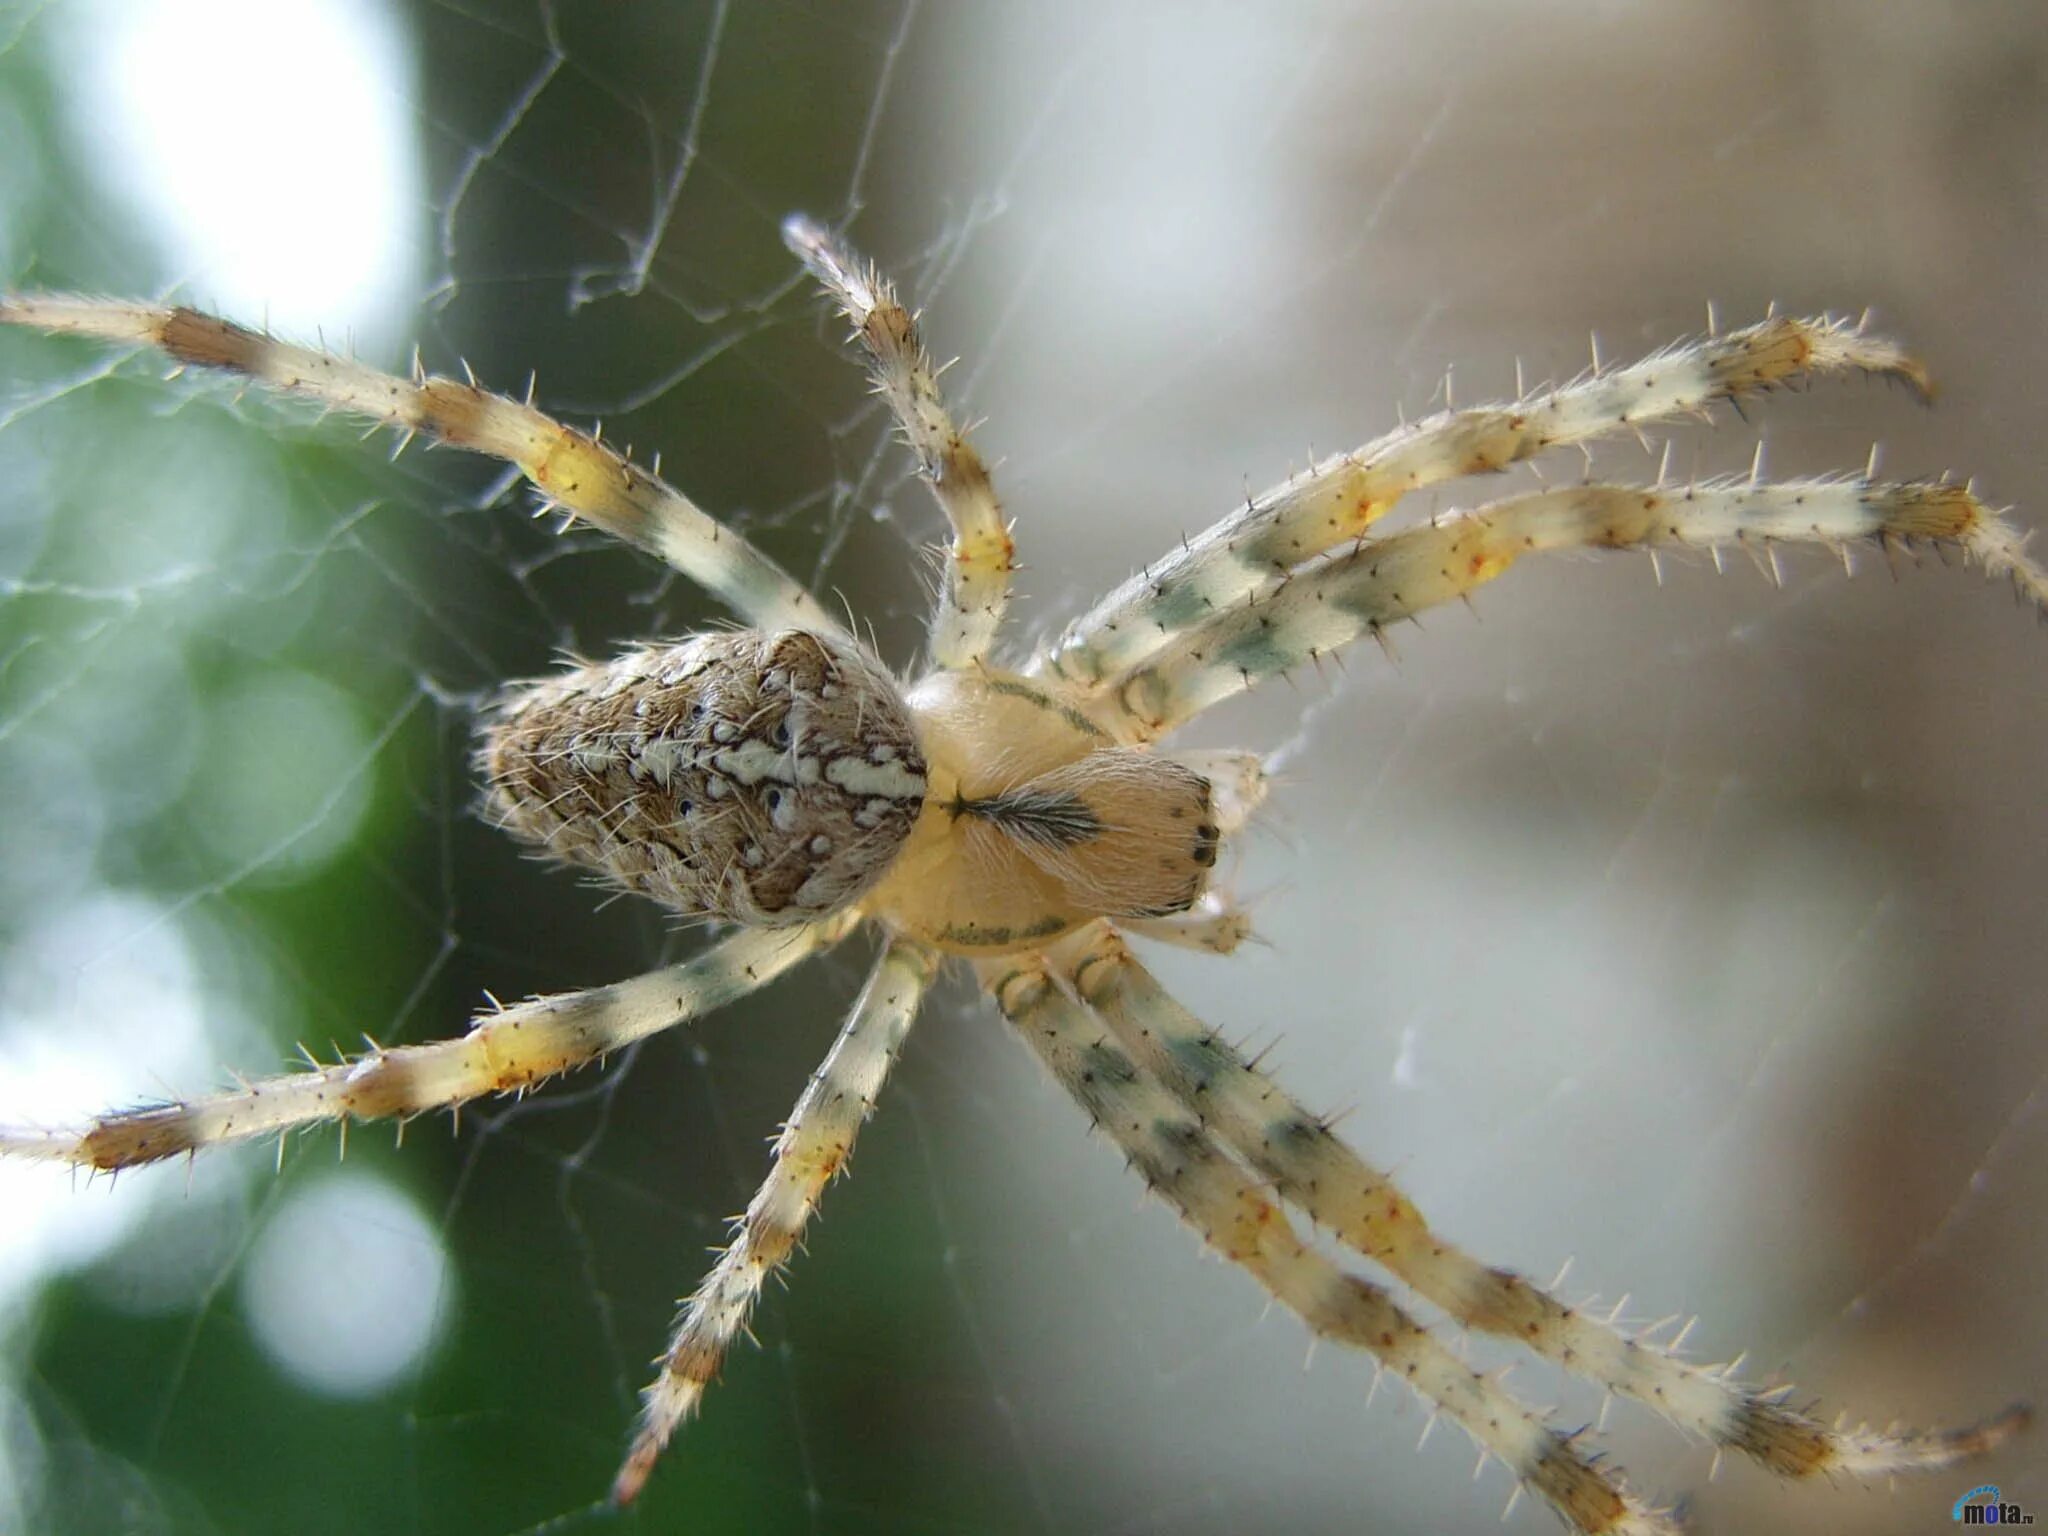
(1691, 931)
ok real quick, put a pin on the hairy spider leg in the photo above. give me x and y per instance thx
(814, 1146)
(1251, 552)
(1396, 577)
(1178, 1156)
(503, 1052)
(976, 585)
(572, 469)
(1313, 1170)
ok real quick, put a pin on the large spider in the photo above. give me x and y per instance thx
(781, 780)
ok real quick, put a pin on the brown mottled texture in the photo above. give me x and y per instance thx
(765, 779)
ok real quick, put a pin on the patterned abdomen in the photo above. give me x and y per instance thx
(765, 779)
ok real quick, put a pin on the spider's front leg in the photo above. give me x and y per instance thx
(1182, 1160)
(813, 1148)
(1394, 578)
(504, 1052)
(1250, 553)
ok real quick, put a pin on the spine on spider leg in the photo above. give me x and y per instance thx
(982, 556)
(1253, 550)
(1399, 576)
(1180, 1161)
(571, 468)
(504, 1052)
(813, 1148)
(1317, 1173)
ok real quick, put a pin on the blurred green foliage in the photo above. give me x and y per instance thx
(183, 544)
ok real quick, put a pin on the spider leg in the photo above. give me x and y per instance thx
(1314, 1171)
(572, 469)
(1251, 552)
(813, 1147)
(1212, 925)
(1180, 1159)
(979, 563)
(1398, 576)
(503, 1052)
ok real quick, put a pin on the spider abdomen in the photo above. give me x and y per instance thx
(763, 778)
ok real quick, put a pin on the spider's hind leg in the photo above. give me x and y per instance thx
(572, 469)
(503, 1052)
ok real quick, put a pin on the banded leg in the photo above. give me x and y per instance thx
(1314, 1171)
(979, 563)
(814, 1146)
(1183, 1162)
(1251, 552)
(504, 1052)
(1398, 576)
(572, 469)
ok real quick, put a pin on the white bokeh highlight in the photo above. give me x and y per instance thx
(98, 988)
(114, 997)
(179, 104)
(346, 1286)
(298, 227)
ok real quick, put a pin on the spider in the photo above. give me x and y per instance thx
(1026, 821)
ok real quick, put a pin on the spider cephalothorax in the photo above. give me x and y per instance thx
(780, 778)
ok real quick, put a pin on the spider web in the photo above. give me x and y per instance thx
(1693, 929)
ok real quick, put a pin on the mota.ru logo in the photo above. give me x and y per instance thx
(1982, 1506)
